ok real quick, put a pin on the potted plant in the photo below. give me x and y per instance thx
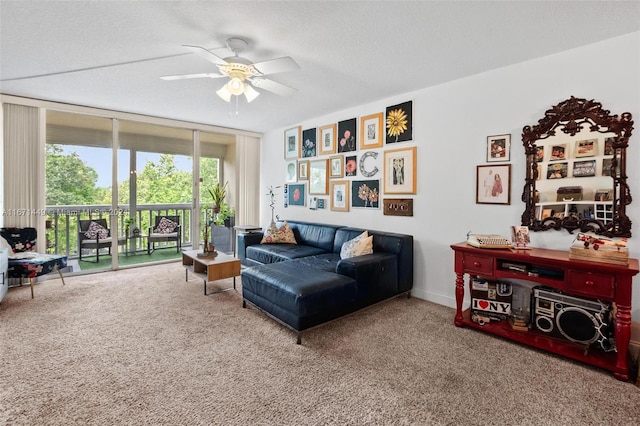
(218, 194)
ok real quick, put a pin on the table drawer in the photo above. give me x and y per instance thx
(479, 265)
(591, 285)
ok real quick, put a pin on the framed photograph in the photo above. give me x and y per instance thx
(539, 154)
(297, 194)
(339, 195)
(308, 147)
(350, 165)
(546, 213)
(558, 152)
(365, 194)
(400, 171)
(584, 168)
(586, 148)
(608, 146)
(328, 139)
(399, 122)
(347, 135)
(292, 142)
(557, 171)
(520, 236)
(290, 168)
(606, 166)
(370, 131)
(303, 170)
(493, 184)
(319, 177)
(498, 148)
(336, 166)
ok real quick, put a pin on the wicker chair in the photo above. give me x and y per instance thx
(166, 228)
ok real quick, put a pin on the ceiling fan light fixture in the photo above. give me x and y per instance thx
(235, 86)
(250, 93)
(224, 93)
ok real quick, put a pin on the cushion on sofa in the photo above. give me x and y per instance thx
(272, 253)
(315, 234)
(278, 235)
(358, 246)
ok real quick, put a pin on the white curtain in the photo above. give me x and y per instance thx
(248, 179)
(24, 163)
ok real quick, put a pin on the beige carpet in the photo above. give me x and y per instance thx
(142, 346)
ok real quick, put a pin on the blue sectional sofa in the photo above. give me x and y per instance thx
(306, 284)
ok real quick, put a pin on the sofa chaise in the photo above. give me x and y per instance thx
(306, 284)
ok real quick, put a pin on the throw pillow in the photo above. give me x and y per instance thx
(282, 235)
(96, 231)
(4, 244)
(358, 246)
(165, 226)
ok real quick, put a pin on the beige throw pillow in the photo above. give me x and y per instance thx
(282, 235)
(359, 246)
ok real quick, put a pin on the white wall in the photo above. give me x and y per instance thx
(451, 123)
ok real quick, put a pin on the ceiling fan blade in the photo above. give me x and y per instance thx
(207, 54)
(185, 76)
(272, 86)
(273, 66)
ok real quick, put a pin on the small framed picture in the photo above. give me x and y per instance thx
(340, 195)
(539, 154)
(308, 147)
(558, 152)
(370, 131)
(608, 146)
(336, 164)
(303, 170)
(493, 184)
(498, 148)
(365, 194)
(546, 213)
(347, 135)
(557, 171)
(292, 142)
(297, 194)
(400, 171)
(290, 168)
(586, 148)
(584, 168)
(328, 139)
(350, 165)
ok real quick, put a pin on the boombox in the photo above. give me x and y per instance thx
(578, 320)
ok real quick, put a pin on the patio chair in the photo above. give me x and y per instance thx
(93, 234)
(167, 228)
(24, 261)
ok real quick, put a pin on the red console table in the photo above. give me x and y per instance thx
(593, 280)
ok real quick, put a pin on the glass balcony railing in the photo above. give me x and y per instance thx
(62, 223)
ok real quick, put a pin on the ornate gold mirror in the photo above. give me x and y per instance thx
(576, 170)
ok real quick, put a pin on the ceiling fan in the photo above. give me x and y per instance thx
(243, 74)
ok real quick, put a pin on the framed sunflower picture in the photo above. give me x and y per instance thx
(399, 122)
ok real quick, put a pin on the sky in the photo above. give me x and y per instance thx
(95, 158)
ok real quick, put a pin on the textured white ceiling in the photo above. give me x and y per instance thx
(111, 54)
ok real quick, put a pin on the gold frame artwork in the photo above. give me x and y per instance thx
(407, 157)
(368, 141)
(329, 131)
(336, 166)
(340, 205)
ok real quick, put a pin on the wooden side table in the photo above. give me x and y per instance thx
(211, 268)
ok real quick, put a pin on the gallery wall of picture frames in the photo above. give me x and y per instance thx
(353, 163)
